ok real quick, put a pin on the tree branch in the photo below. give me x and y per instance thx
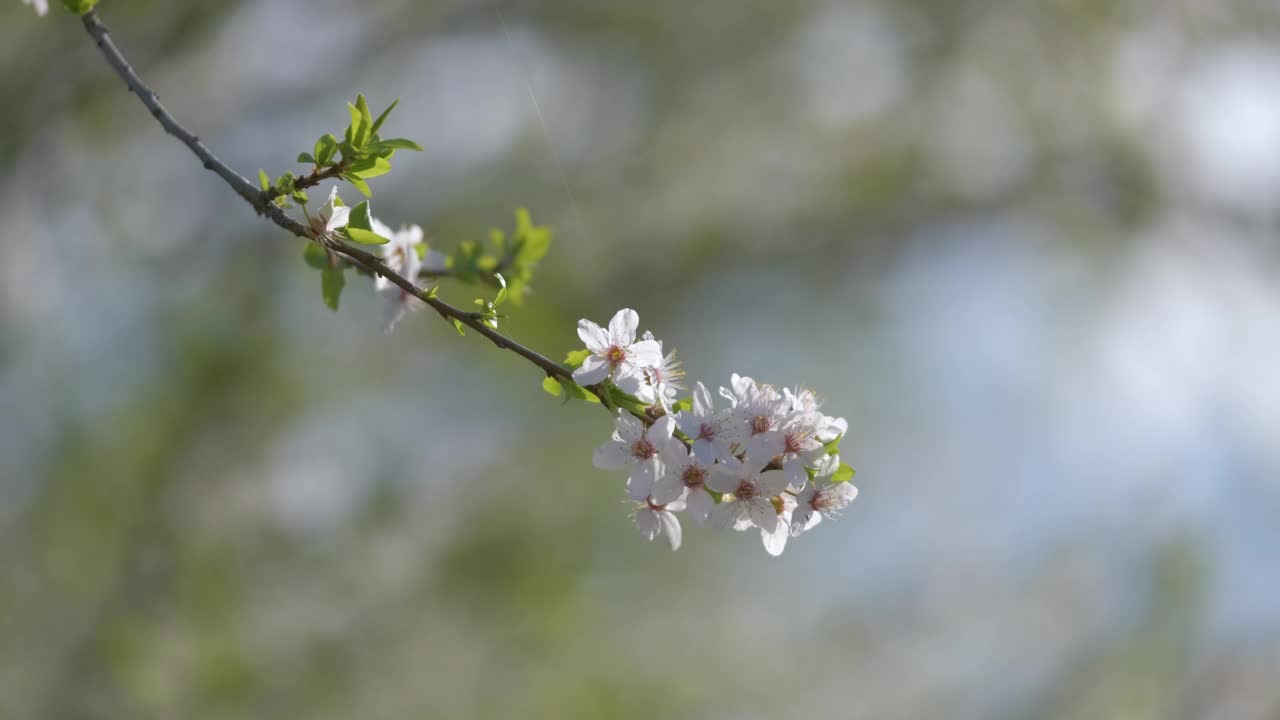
(261, 202)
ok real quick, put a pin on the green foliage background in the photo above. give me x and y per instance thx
(991, 233)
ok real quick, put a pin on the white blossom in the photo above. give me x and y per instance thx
(330, 217)
(615, 354)
(652, 518)
(775, 541)
(685, 476)
(708, 429)
(822, 499)
(800, 447)
(401, 254)
(757, 418)
(752, 495)
(662, 380)
(642, 448)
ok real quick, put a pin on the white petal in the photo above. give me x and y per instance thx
(726, 514)
(593, 336)
(612, 455)
(762, 514)
(766, 446)
(772, 482)
(803, 519)
(622, 328)
(724, 479)
(593, 370)
(845, 493)
(671, 529)
(646, 353)
(827, 466)
(631, 381)
(668, 489)
(775, 542)
(629, 427)
(797, 478)
(702, 403)
(662, 428)
(647, 523)
(699, 504)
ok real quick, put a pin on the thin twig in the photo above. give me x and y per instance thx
(261, 203)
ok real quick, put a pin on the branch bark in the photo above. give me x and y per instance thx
(261, 202)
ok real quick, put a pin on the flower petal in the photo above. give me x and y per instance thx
(723, 479)
(612, 455)
(775, 542)
(647, 523)
(702, 403)
(622, 328)
(762, 514)
(646, 353)
(629, 428)
(593, 370)
(699, 504)
(766, 446)
(339, 218)
(671, 529)
(593, 336)
(772, 482)
(662, 428)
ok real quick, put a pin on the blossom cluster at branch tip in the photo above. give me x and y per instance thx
(767, 459)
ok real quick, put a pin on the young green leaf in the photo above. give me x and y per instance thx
(360, 226)
(370, 167)
(457, 325)
(575, 359)
(396, 144)
(843, 474)
(552, 386)
(331, 284)
(383, 117)
(325, 149)
(307, 158)
(315, 256)
(263, 179)
(359, 184)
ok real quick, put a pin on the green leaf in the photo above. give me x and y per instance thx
(685, 404)
(382, 118)
(834, 446)
(315, 256)
(552, 386)
(370, 167)
(843, 474)
(263, 179)
(627, 402)
(502, 292)
(397, 144)
(331, 284)
(457, 325)
(79, 7)
(360, 226)
(575, 359)
(358, 132)
(325, 148)
(306, 158)
(359, 184)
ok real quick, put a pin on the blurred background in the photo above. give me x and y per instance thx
(1028, 249)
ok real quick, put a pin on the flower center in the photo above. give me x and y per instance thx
(615, 355)
(794, 444)
(643, 449)
(821, 501)
(693, 476)
(653, 506)
(706, 431)
(746, 490)
(760, 424)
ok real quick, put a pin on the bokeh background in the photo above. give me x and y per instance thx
(1028, 249)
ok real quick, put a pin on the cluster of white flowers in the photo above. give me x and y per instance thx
(761, 461)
